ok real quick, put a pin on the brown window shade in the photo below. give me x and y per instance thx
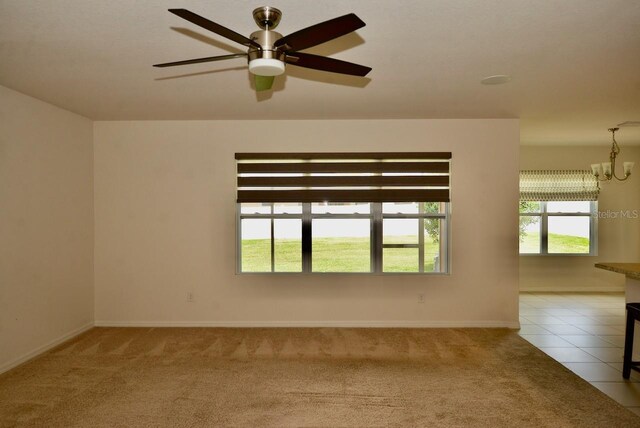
(343, 177)
(343, 167)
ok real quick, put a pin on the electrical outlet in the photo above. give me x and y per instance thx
(420, 297)
(190, 297)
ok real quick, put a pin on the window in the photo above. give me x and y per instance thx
(341, 237)
(343, 212)
(558, 212)
(271, 237)
(405, 237)
(414, 237)
(558, 227)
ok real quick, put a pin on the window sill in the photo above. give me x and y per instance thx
(559, 255)
(346, 273)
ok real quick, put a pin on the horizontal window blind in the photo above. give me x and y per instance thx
(343, 177)
(558, 185)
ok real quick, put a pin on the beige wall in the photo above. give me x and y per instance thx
(46, 226)
(165, 227)
(618, 238)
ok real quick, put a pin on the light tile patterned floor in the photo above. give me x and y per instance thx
(584, 332)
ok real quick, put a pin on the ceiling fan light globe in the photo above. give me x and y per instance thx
(266, 67)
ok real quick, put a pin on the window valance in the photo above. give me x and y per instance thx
(558, 185)
(343, 177)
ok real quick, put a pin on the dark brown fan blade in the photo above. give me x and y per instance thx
(198, 60)
(326, 64)
(216, 28)
(320, 33)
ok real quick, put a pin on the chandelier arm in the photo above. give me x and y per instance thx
(613, 167)
(618, 178)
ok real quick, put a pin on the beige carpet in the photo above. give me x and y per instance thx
(145, 377)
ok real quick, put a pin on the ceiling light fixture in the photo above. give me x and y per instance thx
(269, 52)
(609, 168)
(498, 79)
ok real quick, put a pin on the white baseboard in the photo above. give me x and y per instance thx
(44, 348)
(569, 289)
(293, 324)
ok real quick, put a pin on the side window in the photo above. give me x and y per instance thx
(558, 227)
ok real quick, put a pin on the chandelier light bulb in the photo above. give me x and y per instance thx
(628, 166)
(606, 167)
(597, 170)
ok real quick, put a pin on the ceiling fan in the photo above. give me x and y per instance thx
(269, 51)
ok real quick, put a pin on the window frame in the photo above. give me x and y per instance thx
(420, 216)
(375, 216)
(544, 215)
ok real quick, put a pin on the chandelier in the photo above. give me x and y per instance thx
(609, 168)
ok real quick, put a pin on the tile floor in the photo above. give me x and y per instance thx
(584, 332)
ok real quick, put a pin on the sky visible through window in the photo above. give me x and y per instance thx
(571, 226)
(353, 228)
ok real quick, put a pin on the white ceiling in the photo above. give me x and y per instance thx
(575, 64)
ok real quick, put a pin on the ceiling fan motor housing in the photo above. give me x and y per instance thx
(267, 61)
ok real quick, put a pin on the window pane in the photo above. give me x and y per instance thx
(400, 231)
(340, 208)
(530, 207)
(400, 208)
(256, 245)
(568, 235)
(400, 260)
(287, 208)
(341, 245)
(529, 234)
(433, 207)
(255, 208)
(413, 207)
(287, 245)
(434, 245)
(569, 207)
